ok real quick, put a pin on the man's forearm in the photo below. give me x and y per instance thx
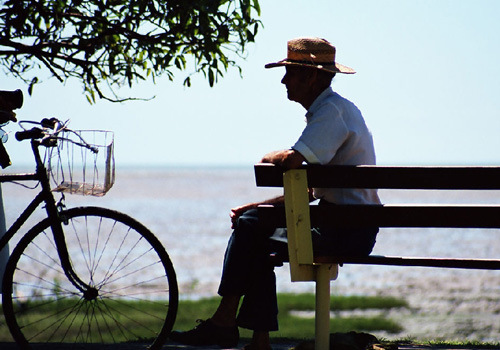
(274, 201)
(288, 159)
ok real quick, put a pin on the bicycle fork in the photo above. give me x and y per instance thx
(56, 216)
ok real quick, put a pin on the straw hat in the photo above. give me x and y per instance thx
(312, 52)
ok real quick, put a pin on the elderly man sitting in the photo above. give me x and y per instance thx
(335, 133)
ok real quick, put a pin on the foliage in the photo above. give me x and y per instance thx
(110, 43)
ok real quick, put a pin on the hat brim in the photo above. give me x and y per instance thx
(337, 68)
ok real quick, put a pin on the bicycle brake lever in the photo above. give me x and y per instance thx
(48, 123)
(49, 141)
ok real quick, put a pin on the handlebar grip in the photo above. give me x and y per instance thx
(34, 133)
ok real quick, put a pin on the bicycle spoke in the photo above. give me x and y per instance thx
(125, 316)
(122, 327)
(82, 249)
(58, 321)
(145, 282)
(131, 263)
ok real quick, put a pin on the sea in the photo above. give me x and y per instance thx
(188, 210)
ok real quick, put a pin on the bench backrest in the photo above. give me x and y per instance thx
(368, 176)
(298, 216)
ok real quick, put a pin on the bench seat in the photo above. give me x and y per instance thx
(476, 264)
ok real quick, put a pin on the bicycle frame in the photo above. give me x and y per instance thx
(53, 214)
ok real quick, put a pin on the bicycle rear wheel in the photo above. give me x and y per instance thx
(118, 257)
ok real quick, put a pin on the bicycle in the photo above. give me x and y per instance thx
(83, 275)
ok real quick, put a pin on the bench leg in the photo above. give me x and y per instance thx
(322, 307)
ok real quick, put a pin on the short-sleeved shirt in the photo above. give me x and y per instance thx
(336, 134)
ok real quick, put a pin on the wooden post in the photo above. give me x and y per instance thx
(298, 225)
(322, 307)
(300, 250)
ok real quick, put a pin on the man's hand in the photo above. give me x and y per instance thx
(238, 211)
(288, 159)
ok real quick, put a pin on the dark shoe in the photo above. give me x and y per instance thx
(207, 333)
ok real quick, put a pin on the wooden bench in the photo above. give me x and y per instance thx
(298, 216)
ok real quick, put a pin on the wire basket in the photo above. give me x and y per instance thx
(82, 163)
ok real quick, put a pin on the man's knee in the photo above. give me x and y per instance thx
(248, 221)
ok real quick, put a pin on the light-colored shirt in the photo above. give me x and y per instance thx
(336, 134)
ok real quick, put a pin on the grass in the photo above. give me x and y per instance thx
(444, 344)
(464, 344)
(291, 326)
(306, 301)
(295, 327)
(72, 319)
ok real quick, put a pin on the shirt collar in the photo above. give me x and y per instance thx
(317, 101)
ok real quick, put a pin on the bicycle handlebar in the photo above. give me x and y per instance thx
(48, 127)
(34, 133)
(47, 132)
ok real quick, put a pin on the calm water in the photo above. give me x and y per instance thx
(188, 209)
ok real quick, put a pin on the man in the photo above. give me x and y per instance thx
(335, 134)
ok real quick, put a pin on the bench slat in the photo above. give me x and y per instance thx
(342, 176)
(480, 264)
(359, 216)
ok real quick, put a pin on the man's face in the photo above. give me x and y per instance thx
(298, 82)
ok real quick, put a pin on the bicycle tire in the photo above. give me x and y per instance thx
(137, 287)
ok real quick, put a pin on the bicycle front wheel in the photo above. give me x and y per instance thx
(134, 288)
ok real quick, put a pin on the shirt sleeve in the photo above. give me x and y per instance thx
(323, 136)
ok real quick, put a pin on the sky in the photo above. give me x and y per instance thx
(427, 83)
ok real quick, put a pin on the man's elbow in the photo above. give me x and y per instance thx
(293, 160)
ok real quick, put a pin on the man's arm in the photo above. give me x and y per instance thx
(238, 211)
(288, 159)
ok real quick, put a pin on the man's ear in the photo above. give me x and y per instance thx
(313, 77)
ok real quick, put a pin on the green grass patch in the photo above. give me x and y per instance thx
(293, 327)
(463, 344)
(443, 344)
(301, 302)
(108, 320)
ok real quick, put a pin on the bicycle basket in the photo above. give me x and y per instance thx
(82, 163)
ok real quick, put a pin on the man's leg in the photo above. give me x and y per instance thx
(246, 272)
(260, 341)
(225, 315)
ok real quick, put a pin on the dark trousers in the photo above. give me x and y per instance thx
(248, 272)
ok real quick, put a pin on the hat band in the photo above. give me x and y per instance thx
(312, 62)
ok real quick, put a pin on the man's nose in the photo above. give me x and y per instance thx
(283, 80)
